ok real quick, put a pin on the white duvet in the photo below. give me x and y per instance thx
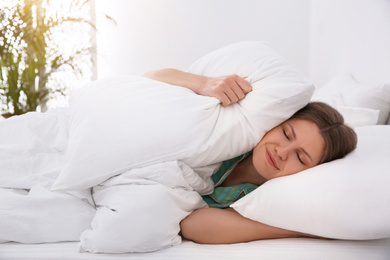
(31, 149)
(136, 211)
(140, 210)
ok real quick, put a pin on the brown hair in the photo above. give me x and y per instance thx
(340, 139)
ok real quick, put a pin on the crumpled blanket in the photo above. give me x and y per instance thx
(140, 210)
(136, 211)
(31, 149)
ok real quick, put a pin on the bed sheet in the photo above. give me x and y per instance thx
(288, 248)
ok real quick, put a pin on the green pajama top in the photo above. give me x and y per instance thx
(222, 197)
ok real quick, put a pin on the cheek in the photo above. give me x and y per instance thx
(293, 166)
(273, 136)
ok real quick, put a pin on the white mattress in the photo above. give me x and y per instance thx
(289, 248)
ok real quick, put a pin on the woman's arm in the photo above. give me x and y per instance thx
(228, 89)
(226, 226)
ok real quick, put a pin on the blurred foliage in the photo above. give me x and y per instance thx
(30, 56)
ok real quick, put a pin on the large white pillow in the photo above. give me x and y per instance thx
(122, 123)
(345, 91)
(345, 199)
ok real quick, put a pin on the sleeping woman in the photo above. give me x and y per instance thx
(313, 135)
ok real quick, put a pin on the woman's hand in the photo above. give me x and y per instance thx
(228, 89)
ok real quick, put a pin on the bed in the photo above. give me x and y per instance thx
(301, 249)
(358, 224)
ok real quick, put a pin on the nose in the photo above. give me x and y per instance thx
(283, 151)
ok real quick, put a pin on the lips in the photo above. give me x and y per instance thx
(271, 159)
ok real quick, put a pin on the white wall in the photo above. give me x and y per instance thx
(350, 36)
(322, 38)
(152, 34)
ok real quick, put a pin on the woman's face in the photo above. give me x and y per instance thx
(291, 147)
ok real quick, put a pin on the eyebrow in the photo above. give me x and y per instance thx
(295, 136)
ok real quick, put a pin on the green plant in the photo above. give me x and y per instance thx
(30, 56)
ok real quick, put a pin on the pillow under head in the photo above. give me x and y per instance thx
(347, 198)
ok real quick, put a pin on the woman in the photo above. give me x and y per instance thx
(314, 135)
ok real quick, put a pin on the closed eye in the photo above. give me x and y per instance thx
(299, 158)
(285, 134)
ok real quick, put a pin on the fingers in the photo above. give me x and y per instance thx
(231, 97)
(236, 88)
(244, 84)
(225, 100)
(228, 89)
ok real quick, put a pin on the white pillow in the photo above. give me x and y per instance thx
(122, 123)
(344, 199)
(345, 90)
(358, 116)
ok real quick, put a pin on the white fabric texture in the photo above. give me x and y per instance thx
(42, 216)
(346, 91)
(124, 123)
(31, 149)
(344, 199)
(269, 249)
(140, 210)
(358, 116)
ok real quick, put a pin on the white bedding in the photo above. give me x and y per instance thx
(278, 249)
(136, 211)
(34, 220)
(140, 210)
(31, 148)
